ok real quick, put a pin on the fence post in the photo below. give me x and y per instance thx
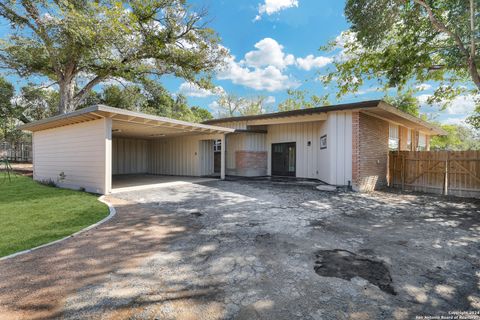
(403, 172)
(445, 186)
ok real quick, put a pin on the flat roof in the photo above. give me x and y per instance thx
(377, 108)
(96, 112)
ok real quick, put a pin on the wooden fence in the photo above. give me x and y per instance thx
(443, 172)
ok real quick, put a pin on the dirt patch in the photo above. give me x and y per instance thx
(346, 265)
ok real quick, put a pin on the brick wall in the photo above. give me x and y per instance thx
(369, 152)
(250, 161)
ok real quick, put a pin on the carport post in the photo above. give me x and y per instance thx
(222, 157)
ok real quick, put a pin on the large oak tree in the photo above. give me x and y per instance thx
(404, 43)
(78, 44)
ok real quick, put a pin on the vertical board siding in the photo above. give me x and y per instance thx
(308, 160)
(243, 142)
(206, 157)
(340, 147)
(181, 156)
(129, 156)
(79, 151)
(333, 164)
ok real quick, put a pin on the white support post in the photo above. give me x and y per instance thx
(108, 156)
(222, 157)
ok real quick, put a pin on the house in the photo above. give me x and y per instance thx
(345, 144)
(340, 145)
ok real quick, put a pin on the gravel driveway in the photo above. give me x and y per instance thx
(256, 250)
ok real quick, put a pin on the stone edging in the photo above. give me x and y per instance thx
(110, 216)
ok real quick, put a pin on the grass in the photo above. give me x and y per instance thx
(32, 214)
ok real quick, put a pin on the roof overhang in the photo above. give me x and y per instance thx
(127, 123)
(391, 114)
(375, 108)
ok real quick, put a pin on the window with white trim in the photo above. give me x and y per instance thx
(217, 145)
(393, 137)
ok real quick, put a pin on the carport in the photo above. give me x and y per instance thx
(86, 148)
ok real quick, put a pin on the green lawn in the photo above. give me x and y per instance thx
(32, 214)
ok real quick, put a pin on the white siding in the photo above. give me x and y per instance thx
(80, 151)
(206, 157)
(182, 156)
(244, 142)
(309, 158)
(129, 156)
(339, 147)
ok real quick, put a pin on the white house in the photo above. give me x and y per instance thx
(340, 145)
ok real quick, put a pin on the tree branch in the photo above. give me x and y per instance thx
(78, 98)
(471, 65)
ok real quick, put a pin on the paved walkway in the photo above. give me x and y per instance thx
(223, 250)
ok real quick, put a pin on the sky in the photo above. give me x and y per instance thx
(274, 46)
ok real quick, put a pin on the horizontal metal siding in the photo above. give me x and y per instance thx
(79, 151)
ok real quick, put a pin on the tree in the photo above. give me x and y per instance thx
(201, 114)
(6, 109)
(80, 44)
(253, 106)
(405, 101)
(232, 105)
(129, 97)
(297, 99)
(458, 138)
(406, 42)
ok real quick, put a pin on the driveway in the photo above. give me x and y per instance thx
(256, 250)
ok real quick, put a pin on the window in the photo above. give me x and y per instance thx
(422, 142)
(409, 139)
(217, 145)
(393, 137)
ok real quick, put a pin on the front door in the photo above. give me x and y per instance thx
(283, 159)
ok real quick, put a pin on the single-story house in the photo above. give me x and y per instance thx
(342, 145)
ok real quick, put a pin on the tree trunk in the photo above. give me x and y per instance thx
(67, 92)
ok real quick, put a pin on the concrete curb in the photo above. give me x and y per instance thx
(110, 216)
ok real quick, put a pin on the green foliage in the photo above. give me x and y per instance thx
(402, 43)
(297, 99)
(458, 138)
(80, 44)
(201, 114)
(6, 110)
(406, 102)
(32, 214)
(151, 98)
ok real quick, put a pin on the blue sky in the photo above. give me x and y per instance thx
(275, 46)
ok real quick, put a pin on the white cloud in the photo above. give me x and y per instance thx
(460, 105)
(457, 121)
(269, 78)
(261, 69)
(269, 53)
(192, 90)
(310, 62)
(347, 44)
(270, 100)
(423, 87)
(270, 7)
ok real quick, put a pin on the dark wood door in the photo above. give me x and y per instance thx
(217, 162)
(283, 159)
